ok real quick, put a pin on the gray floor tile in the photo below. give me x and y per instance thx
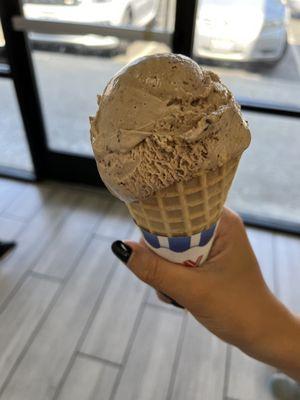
(149, 367)
(20, 318)
(113, 325)
(201, 369)
(89, 380)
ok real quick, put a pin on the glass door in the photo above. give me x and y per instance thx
(75, 47)
(72, 69)
(254, 46)
(14, 152)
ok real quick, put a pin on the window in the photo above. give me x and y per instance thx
(254, 45)
(267, 184)
(72, 69)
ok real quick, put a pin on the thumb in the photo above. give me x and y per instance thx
(172, 279)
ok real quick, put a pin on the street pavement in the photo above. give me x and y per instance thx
(266, 183)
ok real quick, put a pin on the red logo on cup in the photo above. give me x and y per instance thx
(193, 264)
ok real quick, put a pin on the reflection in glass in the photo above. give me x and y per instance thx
(69, 82)
(254, 45)
(248, 30)
(268, 181)
(137, 13)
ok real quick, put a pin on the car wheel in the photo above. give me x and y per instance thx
(273, 63)
(255, 66)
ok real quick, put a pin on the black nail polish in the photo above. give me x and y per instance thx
(6, 248)
(121, 250)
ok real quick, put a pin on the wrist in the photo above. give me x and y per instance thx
(276, 340)
(287, 356)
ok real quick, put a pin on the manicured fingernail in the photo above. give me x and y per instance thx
(121, 250)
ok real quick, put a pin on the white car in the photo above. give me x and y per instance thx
(294, 6)
(108, 12)
(241, 30)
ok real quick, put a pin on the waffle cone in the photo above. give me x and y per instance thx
(186, 208)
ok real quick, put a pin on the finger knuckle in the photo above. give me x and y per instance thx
(234, 219)
(239, 223)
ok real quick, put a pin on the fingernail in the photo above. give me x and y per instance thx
(121, 250)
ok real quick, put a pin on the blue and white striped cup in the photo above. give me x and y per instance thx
(191, 251)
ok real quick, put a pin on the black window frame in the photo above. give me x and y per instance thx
(61, 166)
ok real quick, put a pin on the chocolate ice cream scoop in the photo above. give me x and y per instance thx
(161, 120)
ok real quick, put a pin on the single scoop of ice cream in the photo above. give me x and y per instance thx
(161, 119)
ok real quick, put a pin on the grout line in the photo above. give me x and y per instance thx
(177, 358)
(30, 340)
(13, 291)
(59, 223)
(42, 320)
(131, 227)
(99, 359)
(25, 223)
(103, 237)
(46, 277)
(98, 223)
(170, 310)
(227, 371)
(86, 329)
(13, 218)
(107, 208)
(275, 266)
(70, 213)
(276, 279)
(7, 204)
(136, 325)
(41, 205)
(110, 238)
(83, 188)
(17, 233)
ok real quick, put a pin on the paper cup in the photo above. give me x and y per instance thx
(192, 251)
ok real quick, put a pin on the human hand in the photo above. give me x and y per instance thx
(227, 294)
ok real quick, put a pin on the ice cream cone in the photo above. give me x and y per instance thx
(186, 208)
(167, 138)
(179, 222)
